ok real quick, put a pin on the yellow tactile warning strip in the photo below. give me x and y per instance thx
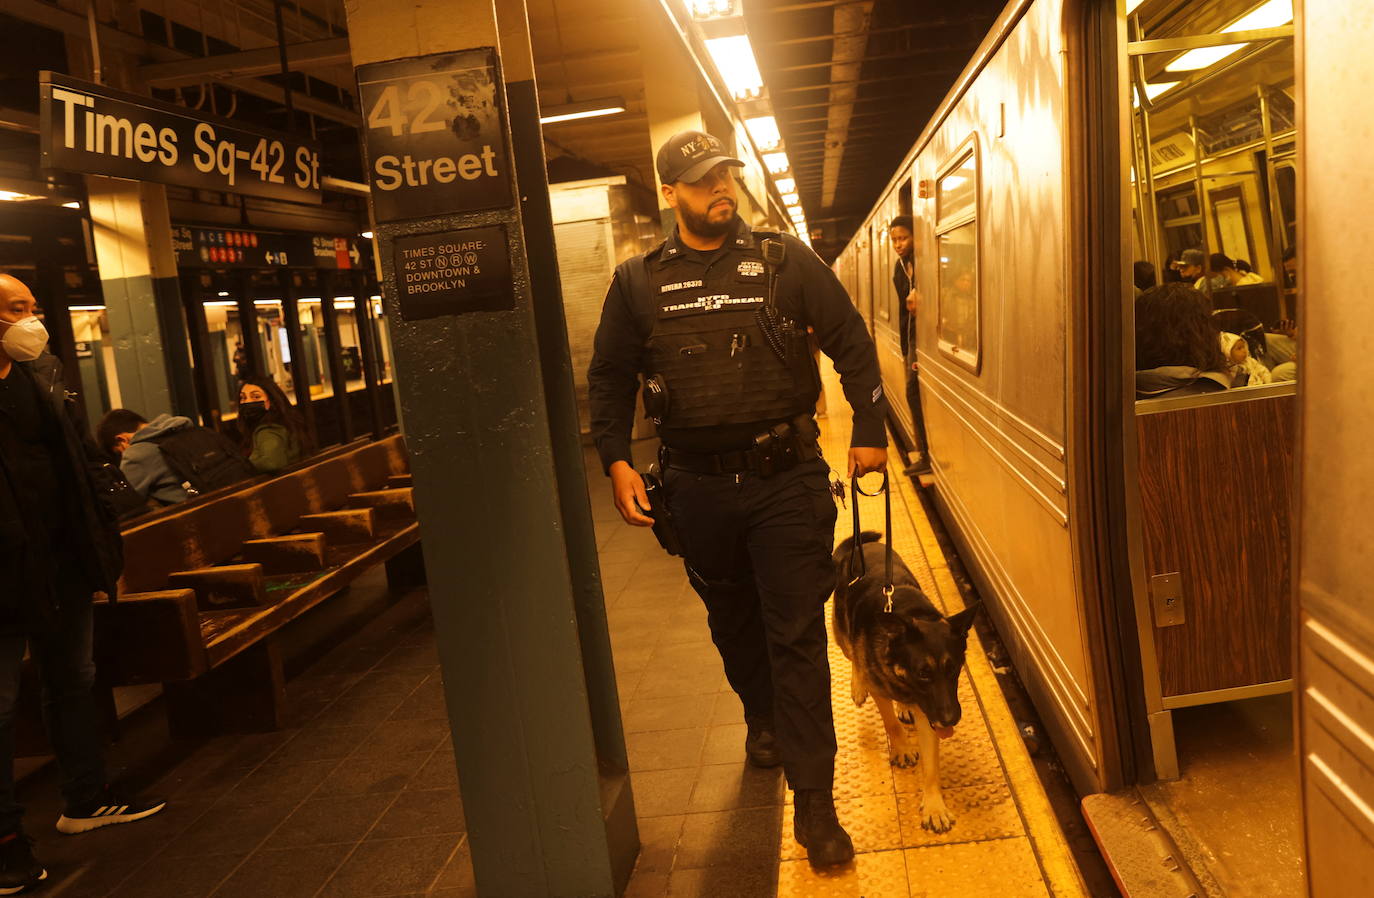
(1005, 841)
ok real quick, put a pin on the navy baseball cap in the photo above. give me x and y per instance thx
(689, 155)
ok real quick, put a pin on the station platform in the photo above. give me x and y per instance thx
(358, 797)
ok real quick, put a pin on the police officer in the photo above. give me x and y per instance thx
(716, 325)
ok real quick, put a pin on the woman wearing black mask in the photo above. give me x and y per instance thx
(271, 433)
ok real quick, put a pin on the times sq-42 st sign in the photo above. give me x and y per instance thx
(95, 130)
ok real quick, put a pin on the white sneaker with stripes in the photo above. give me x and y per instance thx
(107, 810)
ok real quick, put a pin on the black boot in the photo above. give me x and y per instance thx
(818, 830)
(760, 745)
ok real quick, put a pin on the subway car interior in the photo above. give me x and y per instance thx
(421, 653)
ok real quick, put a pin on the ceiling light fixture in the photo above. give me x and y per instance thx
(791, 199)
(787, 185)
(777, 163)
(588, 109)
(366, 235)
(734, 59)
(764, 130)
(73, 205)
(1270, 15)
(14, 196)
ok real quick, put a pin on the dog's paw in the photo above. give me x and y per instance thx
(936, 817)
(906, 717)
(903, 756)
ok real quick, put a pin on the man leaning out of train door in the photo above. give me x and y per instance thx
(904, 280)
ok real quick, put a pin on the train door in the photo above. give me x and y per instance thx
(1211, 436)
(1335, 620)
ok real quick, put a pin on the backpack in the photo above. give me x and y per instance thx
(203, 459)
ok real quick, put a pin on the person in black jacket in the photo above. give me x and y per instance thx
(732, 386)
(59, 551)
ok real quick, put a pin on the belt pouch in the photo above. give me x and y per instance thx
(663, 528)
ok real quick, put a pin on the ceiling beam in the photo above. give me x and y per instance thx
(76, 25)
(909, 54)
(815, 4)
(246, 63)
(907, 76)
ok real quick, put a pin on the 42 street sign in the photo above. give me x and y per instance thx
(93, 129)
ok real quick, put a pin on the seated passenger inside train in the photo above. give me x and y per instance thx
(1177, 344)
(1143, 276)
(271, 432)
(1224, 273)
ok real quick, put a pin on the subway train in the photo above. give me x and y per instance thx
(1135, 555)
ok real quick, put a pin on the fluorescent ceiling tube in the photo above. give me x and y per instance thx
(764, 130)
(366, 235)
(1270, 15)
(588, 109)
(787, 185)
(73, 205)
(777, 162)
(1154, 90)
(16, 197)
(711, 9)
(734, 59)
(791, 199)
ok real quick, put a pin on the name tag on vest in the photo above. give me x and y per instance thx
(680, 285)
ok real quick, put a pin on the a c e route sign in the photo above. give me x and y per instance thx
(435, 127)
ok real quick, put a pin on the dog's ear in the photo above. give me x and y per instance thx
(961, 622)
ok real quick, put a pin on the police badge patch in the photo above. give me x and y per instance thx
(751, 268)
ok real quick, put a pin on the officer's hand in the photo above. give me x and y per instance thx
(864, 459)
(913, 301)
(628, 488)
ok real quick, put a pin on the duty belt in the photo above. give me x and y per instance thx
(777, 449)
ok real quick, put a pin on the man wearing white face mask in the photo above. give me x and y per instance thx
(59, 549)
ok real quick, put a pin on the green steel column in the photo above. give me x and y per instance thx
(138, 277)
(485, 399)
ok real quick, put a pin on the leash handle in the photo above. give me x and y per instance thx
(856, 549)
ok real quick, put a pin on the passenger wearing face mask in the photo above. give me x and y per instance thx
(59, 551)
(271, 433)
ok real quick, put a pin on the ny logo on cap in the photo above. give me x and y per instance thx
(700, 145)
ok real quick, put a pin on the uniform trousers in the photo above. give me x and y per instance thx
(758, 552)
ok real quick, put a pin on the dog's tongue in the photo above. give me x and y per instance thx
(943, 732)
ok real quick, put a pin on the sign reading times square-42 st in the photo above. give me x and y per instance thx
(93, 129)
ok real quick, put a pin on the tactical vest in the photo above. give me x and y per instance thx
(710, 348)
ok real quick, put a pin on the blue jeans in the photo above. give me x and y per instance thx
(63, 652)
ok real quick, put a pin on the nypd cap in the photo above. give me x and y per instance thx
(689, 155)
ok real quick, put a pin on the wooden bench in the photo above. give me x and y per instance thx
(206, 587)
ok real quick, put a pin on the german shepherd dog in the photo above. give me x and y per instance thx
(910, 656)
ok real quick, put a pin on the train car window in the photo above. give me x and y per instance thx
(956, 234)
(1213, 150)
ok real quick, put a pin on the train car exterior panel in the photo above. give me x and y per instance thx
(997, 413)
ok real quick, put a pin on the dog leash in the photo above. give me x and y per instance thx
(856, 549)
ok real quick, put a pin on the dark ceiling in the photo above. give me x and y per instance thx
(914, 49)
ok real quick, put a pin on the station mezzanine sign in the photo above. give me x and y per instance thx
(209, 246)
(96, 130)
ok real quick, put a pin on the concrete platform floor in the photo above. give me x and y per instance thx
(358, 797)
